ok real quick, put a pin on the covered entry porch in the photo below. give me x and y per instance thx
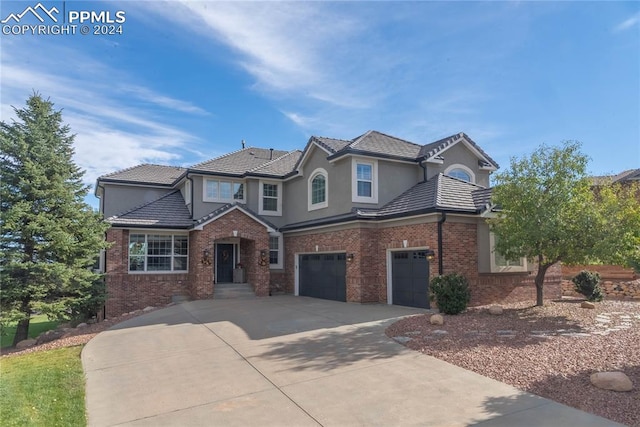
(233, 247)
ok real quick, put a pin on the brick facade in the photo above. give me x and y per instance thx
(367, 274)
(128, 292)
(366, 277)
(133, 291)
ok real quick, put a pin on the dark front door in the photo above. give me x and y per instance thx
(410, 278)
(323, 276)
(224, 263)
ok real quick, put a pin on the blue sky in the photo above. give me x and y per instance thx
(187, 81)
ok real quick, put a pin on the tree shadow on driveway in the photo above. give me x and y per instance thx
(331, 349)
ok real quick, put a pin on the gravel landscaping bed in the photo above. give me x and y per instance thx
(550, 351)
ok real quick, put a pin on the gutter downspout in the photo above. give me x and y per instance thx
(443, 218)
(424, 169)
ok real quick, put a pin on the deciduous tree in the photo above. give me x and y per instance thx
(549, 211)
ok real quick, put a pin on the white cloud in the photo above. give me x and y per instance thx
(627, 23)
(291, 49)
(338, 69)
(112, 132)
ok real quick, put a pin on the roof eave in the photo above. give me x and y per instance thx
(150, 226)
(352, 152)
(128, 182)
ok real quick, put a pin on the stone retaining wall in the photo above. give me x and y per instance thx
(626, 290)
(616, 281)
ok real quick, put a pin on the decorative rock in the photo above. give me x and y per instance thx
(147, 309)
(436, 319)
(587, 304)
(616, 381)
(25, 343)
(402, 340)
(49, 336)
(81, 325)
(496, 310)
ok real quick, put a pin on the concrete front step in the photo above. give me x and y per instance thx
(233, 290)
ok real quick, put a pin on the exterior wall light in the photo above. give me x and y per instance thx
(431, 255)
(350, 257)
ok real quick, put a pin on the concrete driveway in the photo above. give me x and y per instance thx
(290, 361)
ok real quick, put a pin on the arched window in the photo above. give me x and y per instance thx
(461, 172)
(318, 189)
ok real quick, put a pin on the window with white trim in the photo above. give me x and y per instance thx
(158, 252)
(364, 181)
(500, 264)
(222, 191)
(275, 251)
(270, 198)
(461, 172)
(318, 188)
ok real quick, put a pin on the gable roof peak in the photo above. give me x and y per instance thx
(434, 149)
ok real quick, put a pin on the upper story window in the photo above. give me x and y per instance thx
(364, 181)
(461, 172)
(500, 264)
(223, 191)
(158, 252)
(318, 189)
(270, 198)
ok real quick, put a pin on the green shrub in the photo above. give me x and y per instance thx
(451, 293)
(588, 284)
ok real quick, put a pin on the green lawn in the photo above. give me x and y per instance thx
(42, 389)
(38, 324)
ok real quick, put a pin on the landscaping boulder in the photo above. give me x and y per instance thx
(436, 319)
(25, 344)
(587, 304)
(49, 336)
(616, 381)
(149, 308)
(496, 310)
(81, 325)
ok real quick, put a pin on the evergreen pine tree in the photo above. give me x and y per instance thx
(50, 238)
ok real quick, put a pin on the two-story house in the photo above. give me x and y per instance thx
(364, 220)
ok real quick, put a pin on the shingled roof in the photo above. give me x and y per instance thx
(278, 167)
(239, 162)
(380, 143)
(331, 144)
(147, 174)
(442, 192)
(625, 176)
(169, 211)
